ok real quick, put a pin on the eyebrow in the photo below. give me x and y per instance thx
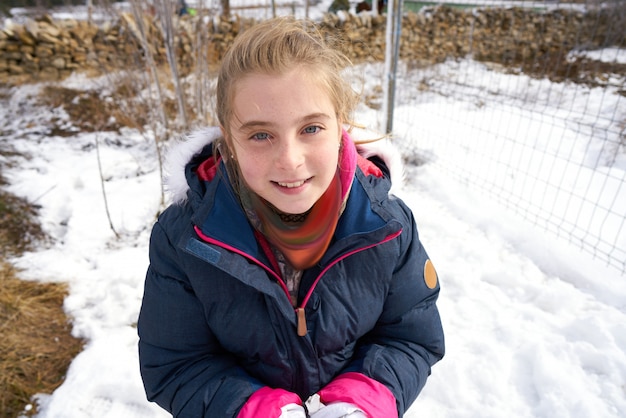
(261, 123)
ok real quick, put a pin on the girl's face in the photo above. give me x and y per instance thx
(286, 137)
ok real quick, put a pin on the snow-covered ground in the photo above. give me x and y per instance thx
(534, 328)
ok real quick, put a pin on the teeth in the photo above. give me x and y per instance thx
(291, 185)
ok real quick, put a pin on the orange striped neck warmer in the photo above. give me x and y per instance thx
(303, 243)
(304, 238)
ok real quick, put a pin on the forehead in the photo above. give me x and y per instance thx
(284, 95)
(288, 78)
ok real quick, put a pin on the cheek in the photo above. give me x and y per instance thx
(251, 168)
(244, 158)
(328, 154)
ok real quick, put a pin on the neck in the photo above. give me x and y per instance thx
(289, 218)
(301, 238)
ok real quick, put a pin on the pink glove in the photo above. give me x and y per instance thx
(269, 403)
(369, 395)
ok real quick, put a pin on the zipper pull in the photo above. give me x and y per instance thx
(301, 322)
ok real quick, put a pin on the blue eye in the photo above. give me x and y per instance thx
(261, 136)
(312, 129)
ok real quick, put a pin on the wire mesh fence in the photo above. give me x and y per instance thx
(522, 100)
(543, 134)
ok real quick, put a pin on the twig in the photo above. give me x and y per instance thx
(104, 194)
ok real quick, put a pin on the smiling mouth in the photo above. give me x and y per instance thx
(291, 185)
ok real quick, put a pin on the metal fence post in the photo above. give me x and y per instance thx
(392, 50)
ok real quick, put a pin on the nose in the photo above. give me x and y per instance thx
(290, 154)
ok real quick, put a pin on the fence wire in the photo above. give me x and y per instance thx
(548, 144)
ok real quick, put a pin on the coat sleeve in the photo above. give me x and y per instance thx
(182, 365)
(408, 337)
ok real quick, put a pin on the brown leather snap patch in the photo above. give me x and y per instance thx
(430, 274)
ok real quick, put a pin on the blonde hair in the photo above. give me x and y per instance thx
(276, 46)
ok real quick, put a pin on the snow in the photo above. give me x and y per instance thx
(534, 327)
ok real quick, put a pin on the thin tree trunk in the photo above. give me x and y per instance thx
(225, 8)
(167, 26)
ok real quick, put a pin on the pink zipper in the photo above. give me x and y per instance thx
(302, 329)
(301, 317)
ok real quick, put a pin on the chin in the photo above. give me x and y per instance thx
(294, 209)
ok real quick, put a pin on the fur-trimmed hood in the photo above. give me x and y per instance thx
(182, 152)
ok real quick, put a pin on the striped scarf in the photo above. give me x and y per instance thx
(304, 238)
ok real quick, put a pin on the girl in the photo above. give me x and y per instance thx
(285, 280)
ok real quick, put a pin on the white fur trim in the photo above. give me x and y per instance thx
(182, 151)
(386, 150)
(178, 155)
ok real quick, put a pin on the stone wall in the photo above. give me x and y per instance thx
(44, 49)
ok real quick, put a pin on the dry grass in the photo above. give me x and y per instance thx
(87, 110)
(17, 230)
(90, 112)
(36, 346)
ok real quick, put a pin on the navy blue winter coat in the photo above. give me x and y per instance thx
(215, 325)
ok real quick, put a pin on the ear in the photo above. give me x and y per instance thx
(340, 128)
(227, 154)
